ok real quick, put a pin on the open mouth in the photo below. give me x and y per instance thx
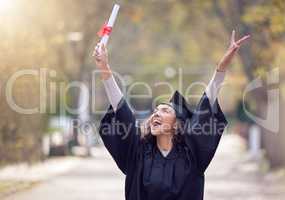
(156, 123)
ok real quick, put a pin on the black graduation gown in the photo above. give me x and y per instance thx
(149, 175)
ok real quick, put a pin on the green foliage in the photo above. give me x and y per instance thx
(269, 15)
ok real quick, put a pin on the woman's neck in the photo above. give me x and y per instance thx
(164, 142)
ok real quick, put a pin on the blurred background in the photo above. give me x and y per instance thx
(178, 41)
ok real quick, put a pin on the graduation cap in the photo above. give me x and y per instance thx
(180, 105)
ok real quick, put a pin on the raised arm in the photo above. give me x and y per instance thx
(117, 128)
(112, 89)
(212, 90)
(208, 121)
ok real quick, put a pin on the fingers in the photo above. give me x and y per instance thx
(236, 48)
(96, 50)
(232, 50)
(103, 48)
(235, 45)
(242, 39)
(99, 50)
(233, 37)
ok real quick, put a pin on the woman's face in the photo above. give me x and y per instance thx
(162, 120)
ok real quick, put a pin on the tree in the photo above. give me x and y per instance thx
(265, 21)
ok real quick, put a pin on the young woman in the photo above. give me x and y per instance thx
(166, 159)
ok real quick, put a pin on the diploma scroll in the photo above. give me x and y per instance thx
(106, 30)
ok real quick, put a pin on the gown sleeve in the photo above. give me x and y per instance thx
(205, 130)
(120, 135)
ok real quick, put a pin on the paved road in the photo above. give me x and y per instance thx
(94, 179)
(232, 176)
(98, 179)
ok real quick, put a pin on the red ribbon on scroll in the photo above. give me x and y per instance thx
(105, 30)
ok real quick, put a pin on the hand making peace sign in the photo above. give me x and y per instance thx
(233, 48)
